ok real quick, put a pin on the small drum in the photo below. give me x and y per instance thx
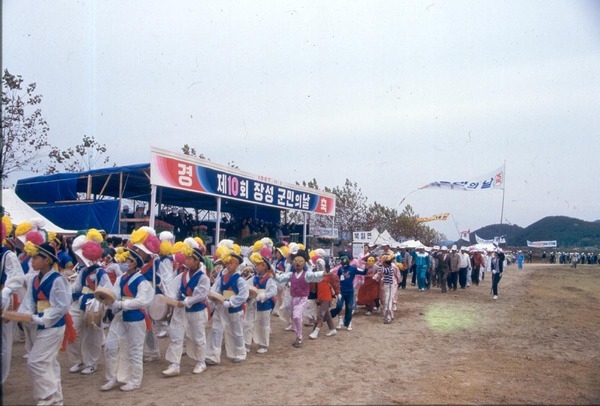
(16, 316)
(159, 310)
(170, 301)
(228, 294)
(94, 313)
(253, 291)
(248, 272)
(216, 298)
(105, 295)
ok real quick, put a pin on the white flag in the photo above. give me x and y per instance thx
(466, 235)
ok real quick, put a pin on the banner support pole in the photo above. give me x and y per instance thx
(503, 192)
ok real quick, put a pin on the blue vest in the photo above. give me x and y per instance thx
(45, 288)
(267, 305)
(136, 314)
(186, 289)
(231, 285)
(84, 283)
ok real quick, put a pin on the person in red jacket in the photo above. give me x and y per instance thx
(477, 264)
(326, 290)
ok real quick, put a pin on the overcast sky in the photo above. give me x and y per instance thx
(389, 94)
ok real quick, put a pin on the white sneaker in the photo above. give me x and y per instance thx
(340, 323)
(368, 313)
(331, 333)
(262, 350)
(75, 368)
(53, 399)
(129, 387)
(108, 385)
(199, 368)
(349, 328)
(162, 334)
(173, 370)
(88, 370)
(289, 327)
(26, 355)
(314, 334)
(495, 297)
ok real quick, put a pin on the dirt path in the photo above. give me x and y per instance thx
(539, 343)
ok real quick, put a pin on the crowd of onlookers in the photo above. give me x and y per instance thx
(183, 224)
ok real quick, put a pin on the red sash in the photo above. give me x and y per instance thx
(70, 333)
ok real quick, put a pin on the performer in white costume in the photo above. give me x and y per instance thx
(124, 346)
(257, 320)
(47, 299)
(11, 282)
(191, 315)
(228, 318)
(85, 351)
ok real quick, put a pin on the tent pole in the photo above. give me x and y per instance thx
(503, 191)
(304, 230)
(88, 192)
(152, 203)
(218, 222)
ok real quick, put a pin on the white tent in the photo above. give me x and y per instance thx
(386, 238)
(20, 212)
(412, 243)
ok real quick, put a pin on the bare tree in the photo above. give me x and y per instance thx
(24, 129)
(82, 157)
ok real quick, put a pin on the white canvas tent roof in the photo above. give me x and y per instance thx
(386, 238)
(20, 212)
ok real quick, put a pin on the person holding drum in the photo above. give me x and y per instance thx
(257, 320)
(11, 281)
(87, 312)
(32, 231)
(278, 265)
(47, 301)
(300, 278)
(124, 345)
(147, 245)
(189, 314)
(228, 319)
(166, 272)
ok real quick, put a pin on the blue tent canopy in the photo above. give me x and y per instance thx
(56, 197)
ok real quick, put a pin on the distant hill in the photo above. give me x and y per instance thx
(567, 231)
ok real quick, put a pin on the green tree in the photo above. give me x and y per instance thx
(191, 151)
(24, 129)
(350, 208)
(82, 157)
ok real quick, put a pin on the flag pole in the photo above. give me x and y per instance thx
(455, 225)
(503, 191)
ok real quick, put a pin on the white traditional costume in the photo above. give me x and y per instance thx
(228, 318)
(190, 317)
(47, 299)
(124, 346)
(12, 279)
(84, 353)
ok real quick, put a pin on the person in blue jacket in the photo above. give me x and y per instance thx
(346, 274)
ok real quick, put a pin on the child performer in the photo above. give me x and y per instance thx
(257, 321)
